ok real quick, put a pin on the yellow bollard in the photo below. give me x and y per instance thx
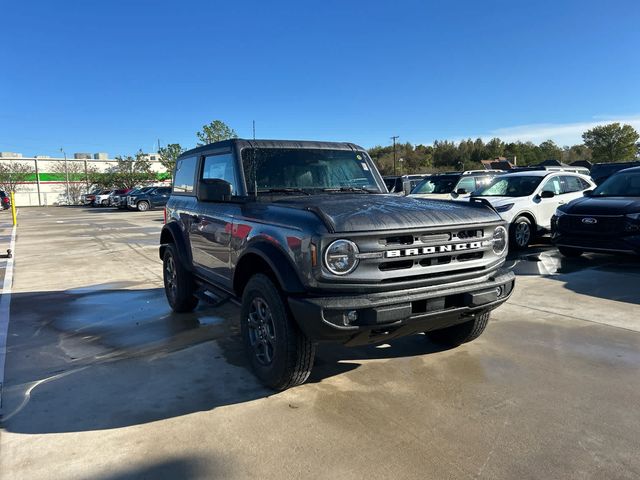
(13, 209)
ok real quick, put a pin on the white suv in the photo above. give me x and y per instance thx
(528, 199)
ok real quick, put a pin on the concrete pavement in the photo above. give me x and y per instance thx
(103, 381)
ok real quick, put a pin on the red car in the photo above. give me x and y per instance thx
(5, 201)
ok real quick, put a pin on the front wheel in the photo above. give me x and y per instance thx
(461, 333)
(521, 232)
(178, 282)
(143, 206)
(570, 252)
(280, 354)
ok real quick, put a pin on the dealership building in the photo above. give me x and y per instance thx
(53, 178)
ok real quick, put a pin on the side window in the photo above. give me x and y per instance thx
(163, 191)
(553, 185)
(482, 182)
(571, 184)
(468, 183)
(222, 167)
(185, 174)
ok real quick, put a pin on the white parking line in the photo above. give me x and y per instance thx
(5, 305)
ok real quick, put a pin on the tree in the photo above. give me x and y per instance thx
(79, 175)
(169, 155)
(494, 148)
(611, 143)
(130, 172)
(14, 174)
(550, 151)
(215, 132)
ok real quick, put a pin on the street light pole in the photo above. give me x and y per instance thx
(66, 173)
(394, 138)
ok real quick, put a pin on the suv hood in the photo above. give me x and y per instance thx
(603, 206)
(364, 212)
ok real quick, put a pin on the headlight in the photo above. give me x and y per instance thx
(559, 213)
(504, 208)
(500, 240)
(340, 257)
(633, 216)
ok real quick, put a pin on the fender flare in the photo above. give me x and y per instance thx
(278, 262)
(171, 231)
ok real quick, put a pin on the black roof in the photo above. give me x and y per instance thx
(240, 143)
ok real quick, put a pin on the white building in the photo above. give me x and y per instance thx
(48, 184)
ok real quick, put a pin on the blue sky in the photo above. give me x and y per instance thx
(117, 75)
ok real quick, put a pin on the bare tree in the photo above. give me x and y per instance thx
(13, 175)
(80, 177)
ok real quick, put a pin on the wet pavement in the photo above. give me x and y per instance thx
(104, 381)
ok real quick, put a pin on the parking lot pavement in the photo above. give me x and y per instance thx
(103, 381)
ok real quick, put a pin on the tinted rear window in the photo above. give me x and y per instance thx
(184, 175)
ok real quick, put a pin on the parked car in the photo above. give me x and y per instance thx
(403, 183)
(5, 200)
(304, 236)
(601, 171)
(102, 198)
(606, 219)
(89, 198)
(124, 202)
(153, 198)
(528, 199)
(118, 198)
(453, 186)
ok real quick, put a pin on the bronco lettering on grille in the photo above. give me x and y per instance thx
(408, 252)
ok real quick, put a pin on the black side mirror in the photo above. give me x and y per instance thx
(547, 194)
(462, 191)
(587, 193)
(214, 190)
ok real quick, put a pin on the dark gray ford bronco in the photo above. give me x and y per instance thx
(306, 235)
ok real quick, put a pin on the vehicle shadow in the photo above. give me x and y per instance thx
(611, 277)
(108, 356)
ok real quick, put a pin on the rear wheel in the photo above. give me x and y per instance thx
(143, 206)
(461, 333)
(104, 203)
(570, 252)
(178, 282)
(521, 232)
(280, 354)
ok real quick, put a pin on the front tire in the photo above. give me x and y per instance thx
(143, 206)
(461, 333)
(521, 232)
(570, 252)
(280, 354)
(178, 282)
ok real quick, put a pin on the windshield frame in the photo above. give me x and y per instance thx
(611, 179)
(380, 185)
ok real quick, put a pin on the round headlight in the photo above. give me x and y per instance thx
(499, 240)
(340, 257)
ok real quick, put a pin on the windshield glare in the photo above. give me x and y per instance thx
(620, 185)
(443, 184)
(510, 186)
(306, 169)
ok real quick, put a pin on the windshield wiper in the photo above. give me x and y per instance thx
(350, 189)
(283, 190)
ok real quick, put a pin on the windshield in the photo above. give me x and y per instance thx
(307, 170)
(510, 186)
(620, 185)
(439, 184)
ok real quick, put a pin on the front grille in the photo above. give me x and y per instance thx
(603, 225)
(402, 256)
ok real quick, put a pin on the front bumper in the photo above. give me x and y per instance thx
(629, 244)
(386, 315)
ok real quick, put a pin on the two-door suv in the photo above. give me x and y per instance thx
(307, 236)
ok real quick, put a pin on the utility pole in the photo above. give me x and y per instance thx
(254, 129)
(394, 138)
(66, 172)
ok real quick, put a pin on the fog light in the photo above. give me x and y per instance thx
(350, 317)
(500, 291)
